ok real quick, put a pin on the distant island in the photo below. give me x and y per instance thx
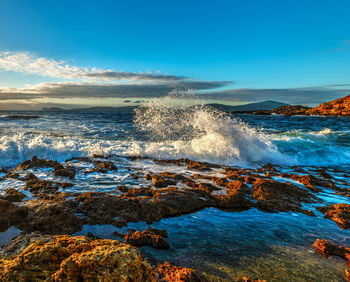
(265, 105)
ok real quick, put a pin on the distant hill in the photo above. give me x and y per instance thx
(260, 106)
(91, 109)
(53, 109)
(337, 108)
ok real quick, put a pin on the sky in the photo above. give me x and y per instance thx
(98, 53)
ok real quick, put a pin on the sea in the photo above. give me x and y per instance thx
(224, 245)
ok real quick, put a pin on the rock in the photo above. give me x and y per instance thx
(50, 217)
(12, 174)
(66, 258)
(326, 249)
(339, 213)
(35, 162)
(161, 182)
(13, 195)
(65, 172)
(10, 214)
(22, 241)
(173, 273)
(246, 279)
(236, 196)
(339, 107)
(37, 186)
(105, 165)
(290, 110)
(122, 188)
(278, 196)
(91, 236)
(310, 181)
(150, 237)
(30, 176)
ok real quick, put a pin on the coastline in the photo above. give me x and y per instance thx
(49, 205)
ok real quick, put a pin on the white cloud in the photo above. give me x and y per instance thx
(27, 63)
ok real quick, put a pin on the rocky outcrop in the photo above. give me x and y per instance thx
(150, 237)
(49, 217)
(13, 195)
(279, 196)
(10, 214)
(290, 110)
(339, 107)
(60, 170)
(326, 249)
(235, 197)
(35, 162)
(171, 273)
(66, 258)
(339, 213)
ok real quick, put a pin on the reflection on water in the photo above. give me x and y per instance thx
(230, 245)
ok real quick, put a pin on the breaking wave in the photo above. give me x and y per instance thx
(178, 130)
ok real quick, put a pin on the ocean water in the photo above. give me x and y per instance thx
(163, 130)
(224, 245)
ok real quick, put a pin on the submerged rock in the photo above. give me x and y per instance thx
(173, 273)
(150, 237)
(339, 213)
(326, 249)
(66, 258)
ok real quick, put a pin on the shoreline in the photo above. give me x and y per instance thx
(44, 204)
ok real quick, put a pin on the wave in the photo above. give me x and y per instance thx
(18, 117)
(17, 148)
(178, 130)
(177, 127)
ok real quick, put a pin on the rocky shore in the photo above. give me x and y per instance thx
(48, 215)
(336, 108)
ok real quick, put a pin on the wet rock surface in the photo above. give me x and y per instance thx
(173, 273)
(277, 196)
(48, 206)
(327, 249)
(150, 237)
(339, 213)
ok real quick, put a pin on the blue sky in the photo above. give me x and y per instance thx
(294, 45)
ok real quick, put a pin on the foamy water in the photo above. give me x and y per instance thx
(169, 128)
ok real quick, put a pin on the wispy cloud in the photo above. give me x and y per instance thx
(89, 90)
(25, 62)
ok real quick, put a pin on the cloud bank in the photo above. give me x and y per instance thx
(93, 83)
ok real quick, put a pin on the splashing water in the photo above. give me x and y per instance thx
(178, 129)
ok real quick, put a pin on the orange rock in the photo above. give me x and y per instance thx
(150, 237)
(339, 107)
(339, 213)
(66, 258)
(326, 249)
(173, 273)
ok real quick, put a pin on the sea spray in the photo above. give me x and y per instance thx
(177, 127)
